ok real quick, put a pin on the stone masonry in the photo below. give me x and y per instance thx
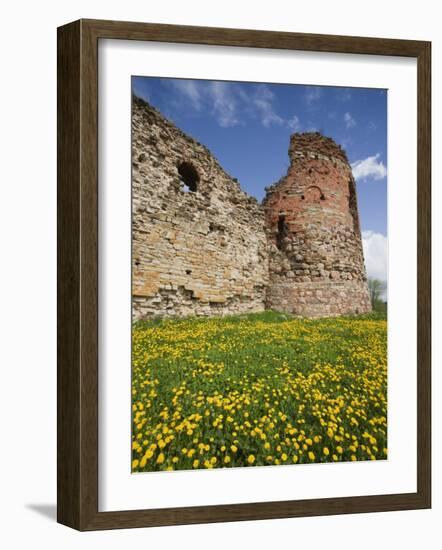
(316, 263)
(198, 241)
(202, 246)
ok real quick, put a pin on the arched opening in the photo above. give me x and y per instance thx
(188, 176)
(313, 194)
(282, 232)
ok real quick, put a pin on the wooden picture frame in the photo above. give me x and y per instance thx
(77, 459)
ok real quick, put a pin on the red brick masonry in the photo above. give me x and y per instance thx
(316, 263)
(202, 246)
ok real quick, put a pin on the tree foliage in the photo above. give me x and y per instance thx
(377, 289)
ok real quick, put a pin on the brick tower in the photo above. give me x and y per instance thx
(316, 261)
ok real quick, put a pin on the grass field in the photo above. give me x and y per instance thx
(255, 390)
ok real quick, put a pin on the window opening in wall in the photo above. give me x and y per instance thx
(188, 176)
(353, 205)
(282, 231)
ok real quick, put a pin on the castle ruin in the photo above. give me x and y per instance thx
(203, 246)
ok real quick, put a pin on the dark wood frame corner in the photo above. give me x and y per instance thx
(77, 459)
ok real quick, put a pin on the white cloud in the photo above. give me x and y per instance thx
(294, 123)
(375, 247)
(312, 94)
(231, 104)
(263, 103)
(370, 167)
(350, 122)
(224, 104)
(191, 90)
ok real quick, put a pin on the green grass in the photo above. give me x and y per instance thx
(258, 389)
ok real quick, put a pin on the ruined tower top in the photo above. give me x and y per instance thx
(315, 145)
(316, 264)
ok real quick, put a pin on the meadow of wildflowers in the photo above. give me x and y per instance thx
(262, 389)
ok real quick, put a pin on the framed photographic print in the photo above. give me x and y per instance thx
(243, 274)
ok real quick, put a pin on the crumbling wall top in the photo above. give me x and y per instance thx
(314, 143)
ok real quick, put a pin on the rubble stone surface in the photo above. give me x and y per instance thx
(203, 246)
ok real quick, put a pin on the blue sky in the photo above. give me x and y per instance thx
(247, 127)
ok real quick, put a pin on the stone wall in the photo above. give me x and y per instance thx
(202, 246)
(316, 264)
(198, 241)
